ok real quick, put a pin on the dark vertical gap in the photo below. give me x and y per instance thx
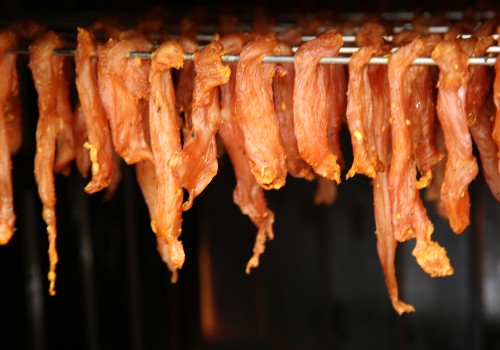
(134, 283)
(82, 218)
(34, 284)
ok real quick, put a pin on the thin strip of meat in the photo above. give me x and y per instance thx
(326, 191)
(283, 104)
(185, 85)
(461, 165)
(8, 84)
(409, 217)
(196, 164)
(100, 144)
(310, 104)
(480, 112)
(248, 194)
(256, 115)
(82, 157)
(13, 115)
(123, 85)
(433, 192)
(165, 143)
(115, 180)
(336, 101)
(46, 69)
(146, 178)
(496, 100)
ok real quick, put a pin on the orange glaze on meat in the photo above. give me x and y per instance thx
(8, 86)
(165, 143)
(80, 135)
(185, 85)
(409, 217)
(123, 86)
(248, 194)
(100, 144)
(13, 115)
(461, 165)
(311, 101)
(496, 100)
(196, 164)
(256, 115)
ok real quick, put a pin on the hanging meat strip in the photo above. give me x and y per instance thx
(248, 194)
(196, 164)
(409, 217)
(8, 86)
(185, 85)
(283, 104)
(146, 178)
(496, 100)
(480, 112)
(461, 165)
(123, 86)
(360, 105)
(433, 192)
(165, 142)
(99, 145)
(256, 115)
(80, 135)
(47, 70)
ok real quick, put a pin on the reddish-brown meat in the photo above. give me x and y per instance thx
(496, 100)
(326, 191)
(185, 85)
(311, 103)
(433, 192)
(480, 112)
(461, 165)
(47, 69)
(336, 101)
(248, 194)
(100, 144)
(165, 143)
(196, 164)
(13, 115)
(409, 217)
(8, 85)
(146, 178)
(123, 86)
(283, 104)
(256, 115)
(80, 135)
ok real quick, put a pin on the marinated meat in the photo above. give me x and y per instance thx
(461, 165)
(165, 143)
(13, 115)
(123, 86)
(196, 164)
(283, 104)
(326, 191)
(433, 192)
(47, 70)
(82, 157)
(100, 144)
(146, 178)
(311, 103)
(185, 85)
(480, 112)
(248, 194)
(8, 86)
(256, 115)
(336, 100)
(409, 217)
(115, 180)
(496, 100)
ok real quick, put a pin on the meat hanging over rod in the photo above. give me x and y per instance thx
(48, 73)
(311, 102)
(248, 194)
(461, 165)
(409, 217)
(100, 144)
(256, 115)
(124, 89)
(165, 143)
(196, 164)
(8, 88)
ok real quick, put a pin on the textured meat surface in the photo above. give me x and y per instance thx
(480, 111)
(311, 102)
(165, 142)
(196, 164)
(248, 194)
(100, 143)
(409, 217)
(82, 157)
(496, 100)
(145, 172)
(123, 85)
(283, 104)
(8, 84)
(185, 85)
(461, 165)
(46, 69)
(336, 100)
(256, 115)
(13, 115)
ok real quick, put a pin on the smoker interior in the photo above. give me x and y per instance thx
(319, 284)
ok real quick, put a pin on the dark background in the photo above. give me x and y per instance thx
(319, 286)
